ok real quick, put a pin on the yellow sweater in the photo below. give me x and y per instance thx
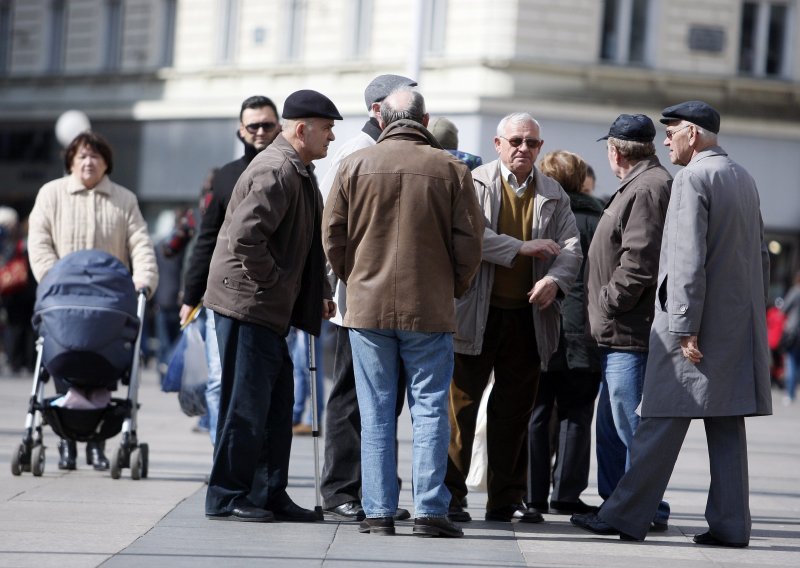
(511, 285)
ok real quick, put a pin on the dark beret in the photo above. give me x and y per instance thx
(309, 104)
(634, 127)
(382, 86)
(697, 112)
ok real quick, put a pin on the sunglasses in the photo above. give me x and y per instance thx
(256, 126)
(671, 133)
(529, 142)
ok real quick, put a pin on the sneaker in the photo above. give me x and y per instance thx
(436, 526)
(377, 525)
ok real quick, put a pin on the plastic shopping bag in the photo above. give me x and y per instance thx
(171, 380)
(478, 467)
(192, 394)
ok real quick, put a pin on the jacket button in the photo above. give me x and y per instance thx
(683, 308)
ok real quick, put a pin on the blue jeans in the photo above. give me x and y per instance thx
(428, 362)
(792, 366)
(298, 349)
(620, 395)
(214, 375)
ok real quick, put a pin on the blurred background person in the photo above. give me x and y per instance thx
(446, 133)
(571, 382)
(86, 210)
(790, 341)
(589, 182)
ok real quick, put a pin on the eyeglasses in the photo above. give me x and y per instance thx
(516, 142)
(256, 126)
(671, 133)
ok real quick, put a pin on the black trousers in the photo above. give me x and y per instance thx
(341, 474)
(570, 394)
(254, 431)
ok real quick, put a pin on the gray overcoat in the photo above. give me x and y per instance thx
(712, 282)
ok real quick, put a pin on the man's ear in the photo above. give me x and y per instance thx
(425, 119)
(375, 109)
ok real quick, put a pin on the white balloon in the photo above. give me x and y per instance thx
(70, 124)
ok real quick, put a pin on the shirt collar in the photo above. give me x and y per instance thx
(75, 186)
(519, 189)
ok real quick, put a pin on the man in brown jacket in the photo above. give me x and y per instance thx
(402, 228)
(267, 273)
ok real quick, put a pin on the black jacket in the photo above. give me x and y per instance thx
(221, 189)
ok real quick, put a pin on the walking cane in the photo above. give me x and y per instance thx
(312, 368)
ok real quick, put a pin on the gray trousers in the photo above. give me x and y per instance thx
(654, 451)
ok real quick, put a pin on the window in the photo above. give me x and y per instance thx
(435, 22)
(764, 43)
(361, 14)
(5, 36)
(113, 40)
(57, 24)
(228, 31)
(626, 32)
(168, 37)
(294, 24)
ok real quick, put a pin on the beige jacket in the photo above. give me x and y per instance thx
(67, 217)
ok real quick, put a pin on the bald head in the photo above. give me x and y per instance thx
(405, 104)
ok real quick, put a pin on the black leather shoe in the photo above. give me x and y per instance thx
(68, 451)
(516, 512)
(709, 539)
(436, 526)
(540, 506)
(292, 512)
(349, 511)
(571, 507)
(95, 456)
(377, 525)
(401, 514)
(246, 514)
(594, 524)
(659, 526)
(458, 514)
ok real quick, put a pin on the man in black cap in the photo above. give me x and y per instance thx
(621, 272)
(708, 346)
(341, 474)
(267, 273)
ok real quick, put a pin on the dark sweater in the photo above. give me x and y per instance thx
(221, 188)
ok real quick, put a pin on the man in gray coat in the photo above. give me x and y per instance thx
(708, 345)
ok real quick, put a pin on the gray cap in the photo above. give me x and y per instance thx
(697, 112)
(382, 85)
(445, 132)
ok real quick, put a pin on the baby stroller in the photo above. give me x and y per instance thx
(89, 321)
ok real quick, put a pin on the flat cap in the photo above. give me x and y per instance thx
(382, 86)
(633, 127)
(309, 104)
(697, 112)
(445, 132)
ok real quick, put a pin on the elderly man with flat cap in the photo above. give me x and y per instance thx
(621, 271)
(267, 273)
(709, 357)
(341, 474)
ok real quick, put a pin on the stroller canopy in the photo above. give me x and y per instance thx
(86, 313)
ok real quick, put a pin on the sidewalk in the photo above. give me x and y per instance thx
(84, 518)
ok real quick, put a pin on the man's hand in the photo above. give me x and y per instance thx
(185, 313)
(690, 349)
(544, 292)
(328, 309)
(540, 248)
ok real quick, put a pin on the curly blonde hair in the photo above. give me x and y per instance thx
(566, 168)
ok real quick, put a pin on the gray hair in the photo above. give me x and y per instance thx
(516, 118)
(633, 150)
(403, 103)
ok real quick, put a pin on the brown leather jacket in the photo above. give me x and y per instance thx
(268, 266)
(402, 228)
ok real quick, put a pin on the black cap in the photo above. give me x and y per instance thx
(309, 104)
(382, 86)
(634, 127)
(697, 112)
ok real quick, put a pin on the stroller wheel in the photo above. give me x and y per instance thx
(117, 459)
(145, 451)
(136, 463)
(17, 459)
(37, 460)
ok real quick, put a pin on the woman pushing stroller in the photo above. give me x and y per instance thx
(86, 210)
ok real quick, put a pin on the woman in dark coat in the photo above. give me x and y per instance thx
(570, 383)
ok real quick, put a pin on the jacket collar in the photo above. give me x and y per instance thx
(642, 166)
(409, 130)
(282, 145)
(540, 182)
(371, 128)
(74, 186)
(707, 153)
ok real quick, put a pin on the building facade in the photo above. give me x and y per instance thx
(163, 79)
